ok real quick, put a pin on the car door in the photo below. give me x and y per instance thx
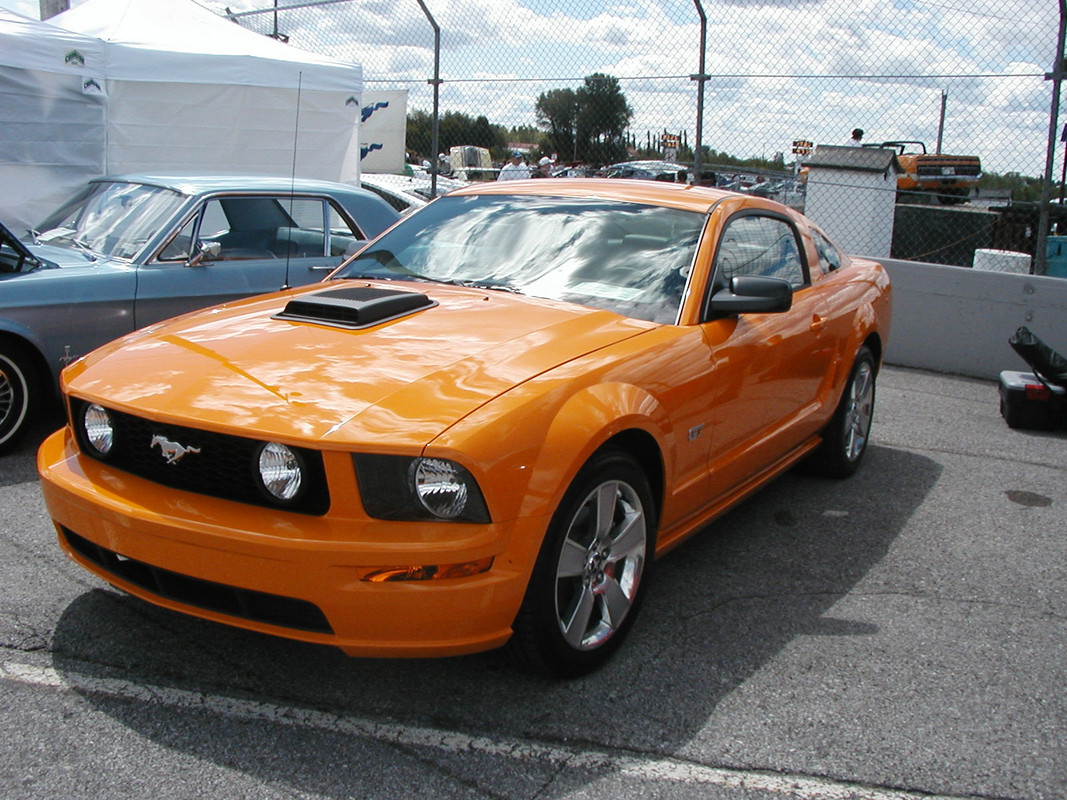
(769, 368)
(235, 246)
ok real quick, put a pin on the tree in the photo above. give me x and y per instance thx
(557, 112)
(603, 118)
(586, 124)
(454, 128)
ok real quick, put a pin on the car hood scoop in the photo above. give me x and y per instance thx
(354, 307)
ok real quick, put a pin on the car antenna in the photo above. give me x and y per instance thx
(292, 179)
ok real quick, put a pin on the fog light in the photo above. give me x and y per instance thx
(280, 471)
(99, 432)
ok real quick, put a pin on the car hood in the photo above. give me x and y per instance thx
(397, 384)
(48, 256)
(56, 256)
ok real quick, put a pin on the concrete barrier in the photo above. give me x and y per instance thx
(958, 320)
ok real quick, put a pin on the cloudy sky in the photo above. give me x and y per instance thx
(782, 69)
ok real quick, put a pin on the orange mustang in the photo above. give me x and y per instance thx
(481, 428)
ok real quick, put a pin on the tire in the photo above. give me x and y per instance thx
(19, 396)
(845, 438)
(590, 576)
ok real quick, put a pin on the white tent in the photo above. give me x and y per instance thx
(52, 121)
(180, 88)
(187, 89)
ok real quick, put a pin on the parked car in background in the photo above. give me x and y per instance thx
(481, 429)
(131, 250)
(407, 193)
(949, 178)
(666, 171)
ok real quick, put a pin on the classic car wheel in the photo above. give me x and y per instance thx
(18, 390)
(845, 438)
(591, 573)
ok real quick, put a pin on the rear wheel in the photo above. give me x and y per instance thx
(845, 438)
(590, 575)
(19, 396)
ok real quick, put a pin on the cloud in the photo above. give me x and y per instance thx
(781, 69)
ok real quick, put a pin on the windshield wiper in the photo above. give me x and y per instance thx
(473, 284)
(67, 234)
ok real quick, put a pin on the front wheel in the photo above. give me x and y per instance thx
(590, 575)
(845, 438)
(18, 394)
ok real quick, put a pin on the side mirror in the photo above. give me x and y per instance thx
(753, 294)
(205, 251)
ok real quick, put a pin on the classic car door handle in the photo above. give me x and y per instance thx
(817, 323)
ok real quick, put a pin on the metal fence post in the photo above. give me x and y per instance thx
(1056, 76)
(701, 79)
(435, 165)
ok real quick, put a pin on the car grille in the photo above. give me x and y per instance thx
(936, 169)
(216, 464)
(272, 609)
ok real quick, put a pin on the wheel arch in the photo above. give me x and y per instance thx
(643, 448)
(606, 415)
(873, 342)
(37, 359)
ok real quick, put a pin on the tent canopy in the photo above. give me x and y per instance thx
(162, 86)
(52, 127)
(179, 41)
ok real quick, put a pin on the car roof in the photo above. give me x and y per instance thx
(371, 212)
(198, 184)
(674, 195)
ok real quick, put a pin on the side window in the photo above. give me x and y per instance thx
(180, 248)
(829, 255)
(755, 245)
(345, 238)
(305, 236)
(262, 227)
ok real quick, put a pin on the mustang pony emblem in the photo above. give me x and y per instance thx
(172, 451)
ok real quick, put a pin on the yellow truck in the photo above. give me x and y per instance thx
(950, 178)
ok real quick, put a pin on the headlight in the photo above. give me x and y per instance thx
(281, 472)
(441, 486)
(404, 488)
(99, 432)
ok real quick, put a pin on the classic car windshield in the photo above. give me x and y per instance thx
(111, 219)
(624, 257)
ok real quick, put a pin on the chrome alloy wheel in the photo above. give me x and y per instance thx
(860, 410)
(600, 565)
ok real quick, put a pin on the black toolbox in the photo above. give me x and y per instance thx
(1028, 402)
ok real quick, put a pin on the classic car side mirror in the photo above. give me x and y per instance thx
(749, 293)
(205, 251)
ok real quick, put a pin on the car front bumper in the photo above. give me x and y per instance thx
(268, 571)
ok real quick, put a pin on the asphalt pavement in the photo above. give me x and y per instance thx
(898, 635)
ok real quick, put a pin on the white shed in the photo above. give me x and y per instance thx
(851, 194)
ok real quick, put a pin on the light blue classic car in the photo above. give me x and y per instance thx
(131, 250)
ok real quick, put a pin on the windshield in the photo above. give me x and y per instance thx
(624, 257)
(111, 219)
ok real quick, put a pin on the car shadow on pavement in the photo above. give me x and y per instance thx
(722, 606)
(19, 464)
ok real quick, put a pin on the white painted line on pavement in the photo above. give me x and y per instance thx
(799, 787)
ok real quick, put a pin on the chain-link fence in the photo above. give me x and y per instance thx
(957, 92)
